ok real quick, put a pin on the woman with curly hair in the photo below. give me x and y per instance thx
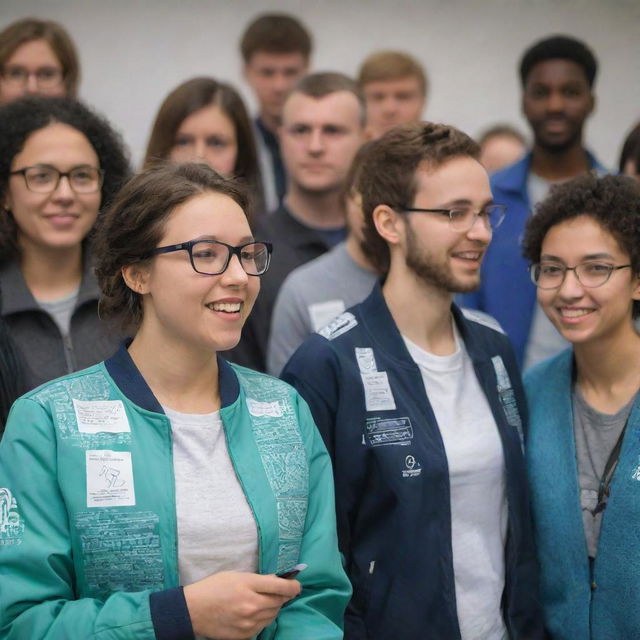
(583, 448)
(60, 164)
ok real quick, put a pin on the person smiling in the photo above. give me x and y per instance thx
(422, 409)
(558, 77)
(60, 164)
(584, 433)
(174, 484)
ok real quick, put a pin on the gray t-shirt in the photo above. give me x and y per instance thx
(216, 527)
(310, 297)
(61, 310)
(544, 340)
(596, 435)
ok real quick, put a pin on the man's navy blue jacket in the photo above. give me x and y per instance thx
(392, 481)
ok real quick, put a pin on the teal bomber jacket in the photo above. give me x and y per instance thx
(88, 536)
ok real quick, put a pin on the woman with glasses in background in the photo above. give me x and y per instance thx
(37, 57)
(583, 447)
(174, 484)
(60, 164)
(203, 120)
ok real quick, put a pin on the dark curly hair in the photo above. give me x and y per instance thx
(559, 47)
(133, 226)
(21, 118)
(612, 201)
(388, 173)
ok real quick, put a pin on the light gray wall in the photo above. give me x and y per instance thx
(135, 51)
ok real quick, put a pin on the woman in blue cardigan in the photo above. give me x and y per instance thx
(584, 438)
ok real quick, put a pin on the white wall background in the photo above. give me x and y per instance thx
(134, 52)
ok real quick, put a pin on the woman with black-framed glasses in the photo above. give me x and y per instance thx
(584, 426)
(60, 165)
(182, 494)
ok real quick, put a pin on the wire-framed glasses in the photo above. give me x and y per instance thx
(463, 218)
(46, 77)
(551, 275)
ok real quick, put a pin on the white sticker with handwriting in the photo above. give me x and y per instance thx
(377, 391)
(99, 416)
(109, 479)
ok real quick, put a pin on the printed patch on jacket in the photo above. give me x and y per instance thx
(507, 397)
(109, 478)
(343, 323)
(377, 390)
(482, 318)
(412, 467)
(11, 524)
(84, 413)
(120, 551)
(387, 431)
(284, 460)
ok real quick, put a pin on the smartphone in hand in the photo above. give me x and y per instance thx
(292, 572)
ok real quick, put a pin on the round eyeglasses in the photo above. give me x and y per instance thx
(462, 219)
(46, 77)
(550, 275)
(44, 178)
(211, 257)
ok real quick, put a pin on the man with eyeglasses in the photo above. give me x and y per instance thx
(557, 76)
(421, 408)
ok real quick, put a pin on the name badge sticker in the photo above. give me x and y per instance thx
(109, 479)
(322, 313)
(377, 392)
(262, 409)
(100, 416)
(366, 360)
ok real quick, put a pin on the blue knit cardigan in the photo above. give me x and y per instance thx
(576, 605)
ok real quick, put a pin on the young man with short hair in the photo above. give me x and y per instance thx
(421, 408)
(323, 288)
(322, 129)
(275, 48)
(395, 89)
(557, 75)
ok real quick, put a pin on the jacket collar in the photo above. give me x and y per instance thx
(129, 380)
(17, 298)
(376, 316)
(514, 178)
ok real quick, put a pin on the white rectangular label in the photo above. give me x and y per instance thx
(261, 409)
(322, 313)
(366, 360)
(377, 392)
(109, 479)
(99, 416)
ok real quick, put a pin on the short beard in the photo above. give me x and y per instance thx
(419, 261)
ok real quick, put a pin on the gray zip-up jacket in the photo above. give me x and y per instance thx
(45, 353)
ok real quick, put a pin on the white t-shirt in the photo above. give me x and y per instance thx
(216, 527)
(477, 483)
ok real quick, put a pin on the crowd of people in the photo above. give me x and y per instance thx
(452, 449)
